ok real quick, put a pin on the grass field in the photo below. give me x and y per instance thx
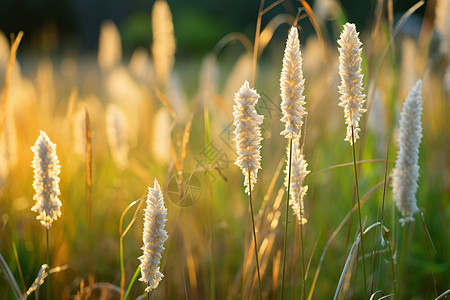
(118, 123)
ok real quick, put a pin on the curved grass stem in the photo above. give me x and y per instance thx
(48, 263)
(286, 220)
(254, 234)
(122, 235)
(402, 256)
(359, 212)
(303, 258)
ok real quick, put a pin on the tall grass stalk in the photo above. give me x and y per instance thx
(359, 212)
(46, 184)
(248, 139)
(382, 217)
(88, 167)
(349, 227)
(48, 263)
(254, 233)
(295, 261)
(292, 87)
(303, 258)
(352, 100)
(286, 220)
(122, 235)
(212, 281)
(402, 256)
(428, 240)
(394, 280)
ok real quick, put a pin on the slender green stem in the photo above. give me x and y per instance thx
(48, 264)
(254, 233)
(392, 266)
(122, 268)
(211, 265)
(212, 281)
(303, 258)
(359, 212)
(402, 256)
(295, 261)
(133, 280)
(382, 219)
(427, 244)
(148, 295)
(286, 220)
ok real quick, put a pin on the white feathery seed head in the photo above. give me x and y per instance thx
(292, 86)
(163, 48)
(351, 89)
(247, 133)
(46, 181)
(154, 237)
(298, 174)
(406, 171)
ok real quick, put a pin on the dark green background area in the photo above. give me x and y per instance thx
(199, 24)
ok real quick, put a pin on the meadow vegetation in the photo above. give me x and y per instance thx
(121, 125)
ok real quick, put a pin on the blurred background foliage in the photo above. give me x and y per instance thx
(55, 26)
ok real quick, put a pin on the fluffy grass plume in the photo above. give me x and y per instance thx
(352, 98)
(442, 24)
(163, 48)
(247, 133)
(406, 171)
(116, 129)
(292, 86)
(154, 237)
(298, 174)
(109, 47)
(46, 181)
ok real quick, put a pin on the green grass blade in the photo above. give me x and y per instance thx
(133, 279)
(9, 277)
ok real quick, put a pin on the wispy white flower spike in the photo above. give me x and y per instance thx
(352, 98)
(292, 87)
(247, 133)
(298, 174)
(163, 48)
(406, 171)
(154, 237)
(46, 181)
